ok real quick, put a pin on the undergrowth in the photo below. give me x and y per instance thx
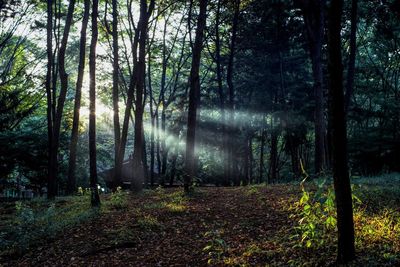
(376, 218)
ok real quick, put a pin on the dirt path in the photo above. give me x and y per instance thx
(161, 229)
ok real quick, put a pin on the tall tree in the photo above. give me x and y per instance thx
(58, 106)
(77, 104)
(194, 94)
(138, 164)
(338, 132)
(115, 91)
(313, 14)
(221, 95)
(50, 177)
(95, 199)
(231, 91)
(352, 56)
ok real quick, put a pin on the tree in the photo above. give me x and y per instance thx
(313, 14)
(194, 94)
(138, 164)
(115, 90)
(231, 91)
(77, 105)
(50, 177)
(338, 132)
(352, 56)
(95, 199)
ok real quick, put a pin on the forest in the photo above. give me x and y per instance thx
(200, 133)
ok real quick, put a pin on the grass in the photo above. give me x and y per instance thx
(39, 220)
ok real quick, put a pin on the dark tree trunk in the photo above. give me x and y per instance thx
(293, 147)
(59, 106)
(50, 174)
(313, 11)
(138, 166)
(352, 56)
(231, 89)
(224, 144)
(77, 105)
(261, 169)
(95, 199)
(194, 93)
(164, 148)
(173, 169)
(273, 167)
(251, 159)
(128, 108)
(152, 142)
(346, 250)
(158, 155)
(117, 127)
(162, 97)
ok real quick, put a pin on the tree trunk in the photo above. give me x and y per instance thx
(152, 115)
(231, 89)
(352, 56)
(158, 155)
(138, 166)
(164, 148)
(218, 70)
(95, 199)
(173, 169)
(193, 96)
(77, 105)
(117, 129)
(314, 20)
(58, 109)
(273, 167)
(128, 108)
(261, 169)
(251, 159)
(346, 250)
(50, 173)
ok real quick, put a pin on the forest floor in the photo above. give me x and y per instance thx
(240, 226)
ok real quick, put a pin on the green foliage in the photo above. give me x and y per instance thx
(317, 214)
(376, 216)
(216, 246)
(148, 222)
(37, 221)
(118, 199)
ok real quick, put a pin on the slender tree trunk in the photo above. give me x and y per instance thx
(115, 93)
(352, 56)
(164, 148)
(231, 89)
(77, 105)
(346, 250)
(158, 155)
(261, 169)
(173, 169)
(246, 167)
(95, 199)
(129, 104)
(273, 168)
(314, 20)
(138, 166)
(251, 159)
(152, 143)
(194, 93)
(224, 143)
(50, 174)
(52, 189)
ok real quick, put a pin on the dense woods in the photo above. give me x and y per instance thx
(288, 107)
